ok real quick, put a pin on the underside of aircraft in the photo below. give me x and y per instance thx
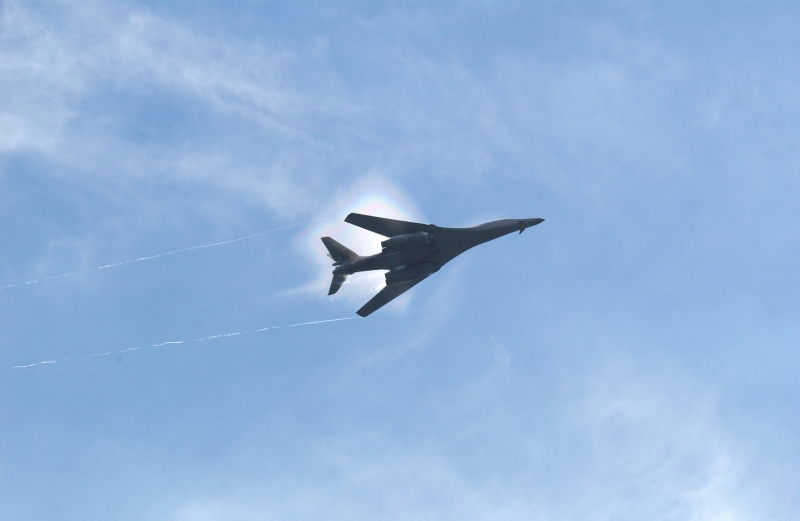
(411, 253)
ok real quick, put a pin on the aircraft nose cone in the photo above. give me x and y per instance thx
(536, 221)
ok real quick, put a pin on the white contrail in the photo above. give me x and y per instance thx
(165, 343)
(35, 281)
(160, 255)
(31, 365)
(176, 342)
(305, 323)
(220, 336)
(154, 345)
(317, 322)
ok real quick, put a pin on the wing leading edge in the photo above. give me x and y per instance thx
(386, 295)
(386, 227)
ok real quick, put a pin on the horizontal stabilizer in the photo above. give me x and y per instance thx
(386, 227)
(338, 252)
(336, 283)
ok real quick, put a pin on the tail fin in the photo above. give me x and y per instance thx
(336, 283)
(339, 253)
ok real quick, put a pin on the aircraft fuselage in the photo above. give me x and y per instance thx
(444, 244)
(412, 252)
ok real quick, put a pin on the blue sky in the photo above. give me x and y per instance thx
(633, 357)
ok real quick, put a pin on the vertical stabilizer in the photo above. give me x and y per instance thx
(338, 252)
(340, 255)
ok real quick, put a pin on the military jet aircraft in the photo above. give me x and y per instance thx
(412, 252)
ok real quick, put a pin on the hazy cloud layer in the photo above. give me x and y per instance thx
(633, 357)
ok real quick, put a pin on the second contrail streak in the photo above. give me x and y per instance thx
(177, 342)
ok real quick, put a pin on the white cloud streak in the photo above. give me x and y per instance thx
(57, 67)
(458, 127)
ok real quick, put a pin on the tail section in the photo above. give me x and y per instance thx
(340, 255)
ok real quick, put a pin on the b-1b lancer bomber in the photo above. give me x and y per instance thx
(412, 252)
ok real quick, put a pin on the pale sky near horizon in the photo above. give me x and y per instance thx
(633, 357)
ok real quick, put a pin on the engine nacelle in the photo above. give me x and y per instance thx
(407, 240)
(409, 273)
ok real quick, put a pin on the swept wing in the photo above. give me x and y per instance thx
(386, 295)
(386, 227)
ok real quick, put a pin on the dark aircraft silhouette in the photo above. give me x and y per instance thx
(412, 252)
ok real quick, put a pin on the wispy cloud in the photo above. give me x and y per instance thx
(639, 446)
(170, 126)
(658, 447)
(454, 120)
(124, 106)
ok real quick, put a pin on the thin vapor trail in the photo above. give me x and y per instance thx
(32, 365)
(177, 342)
(320, 321)
(140, 259)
